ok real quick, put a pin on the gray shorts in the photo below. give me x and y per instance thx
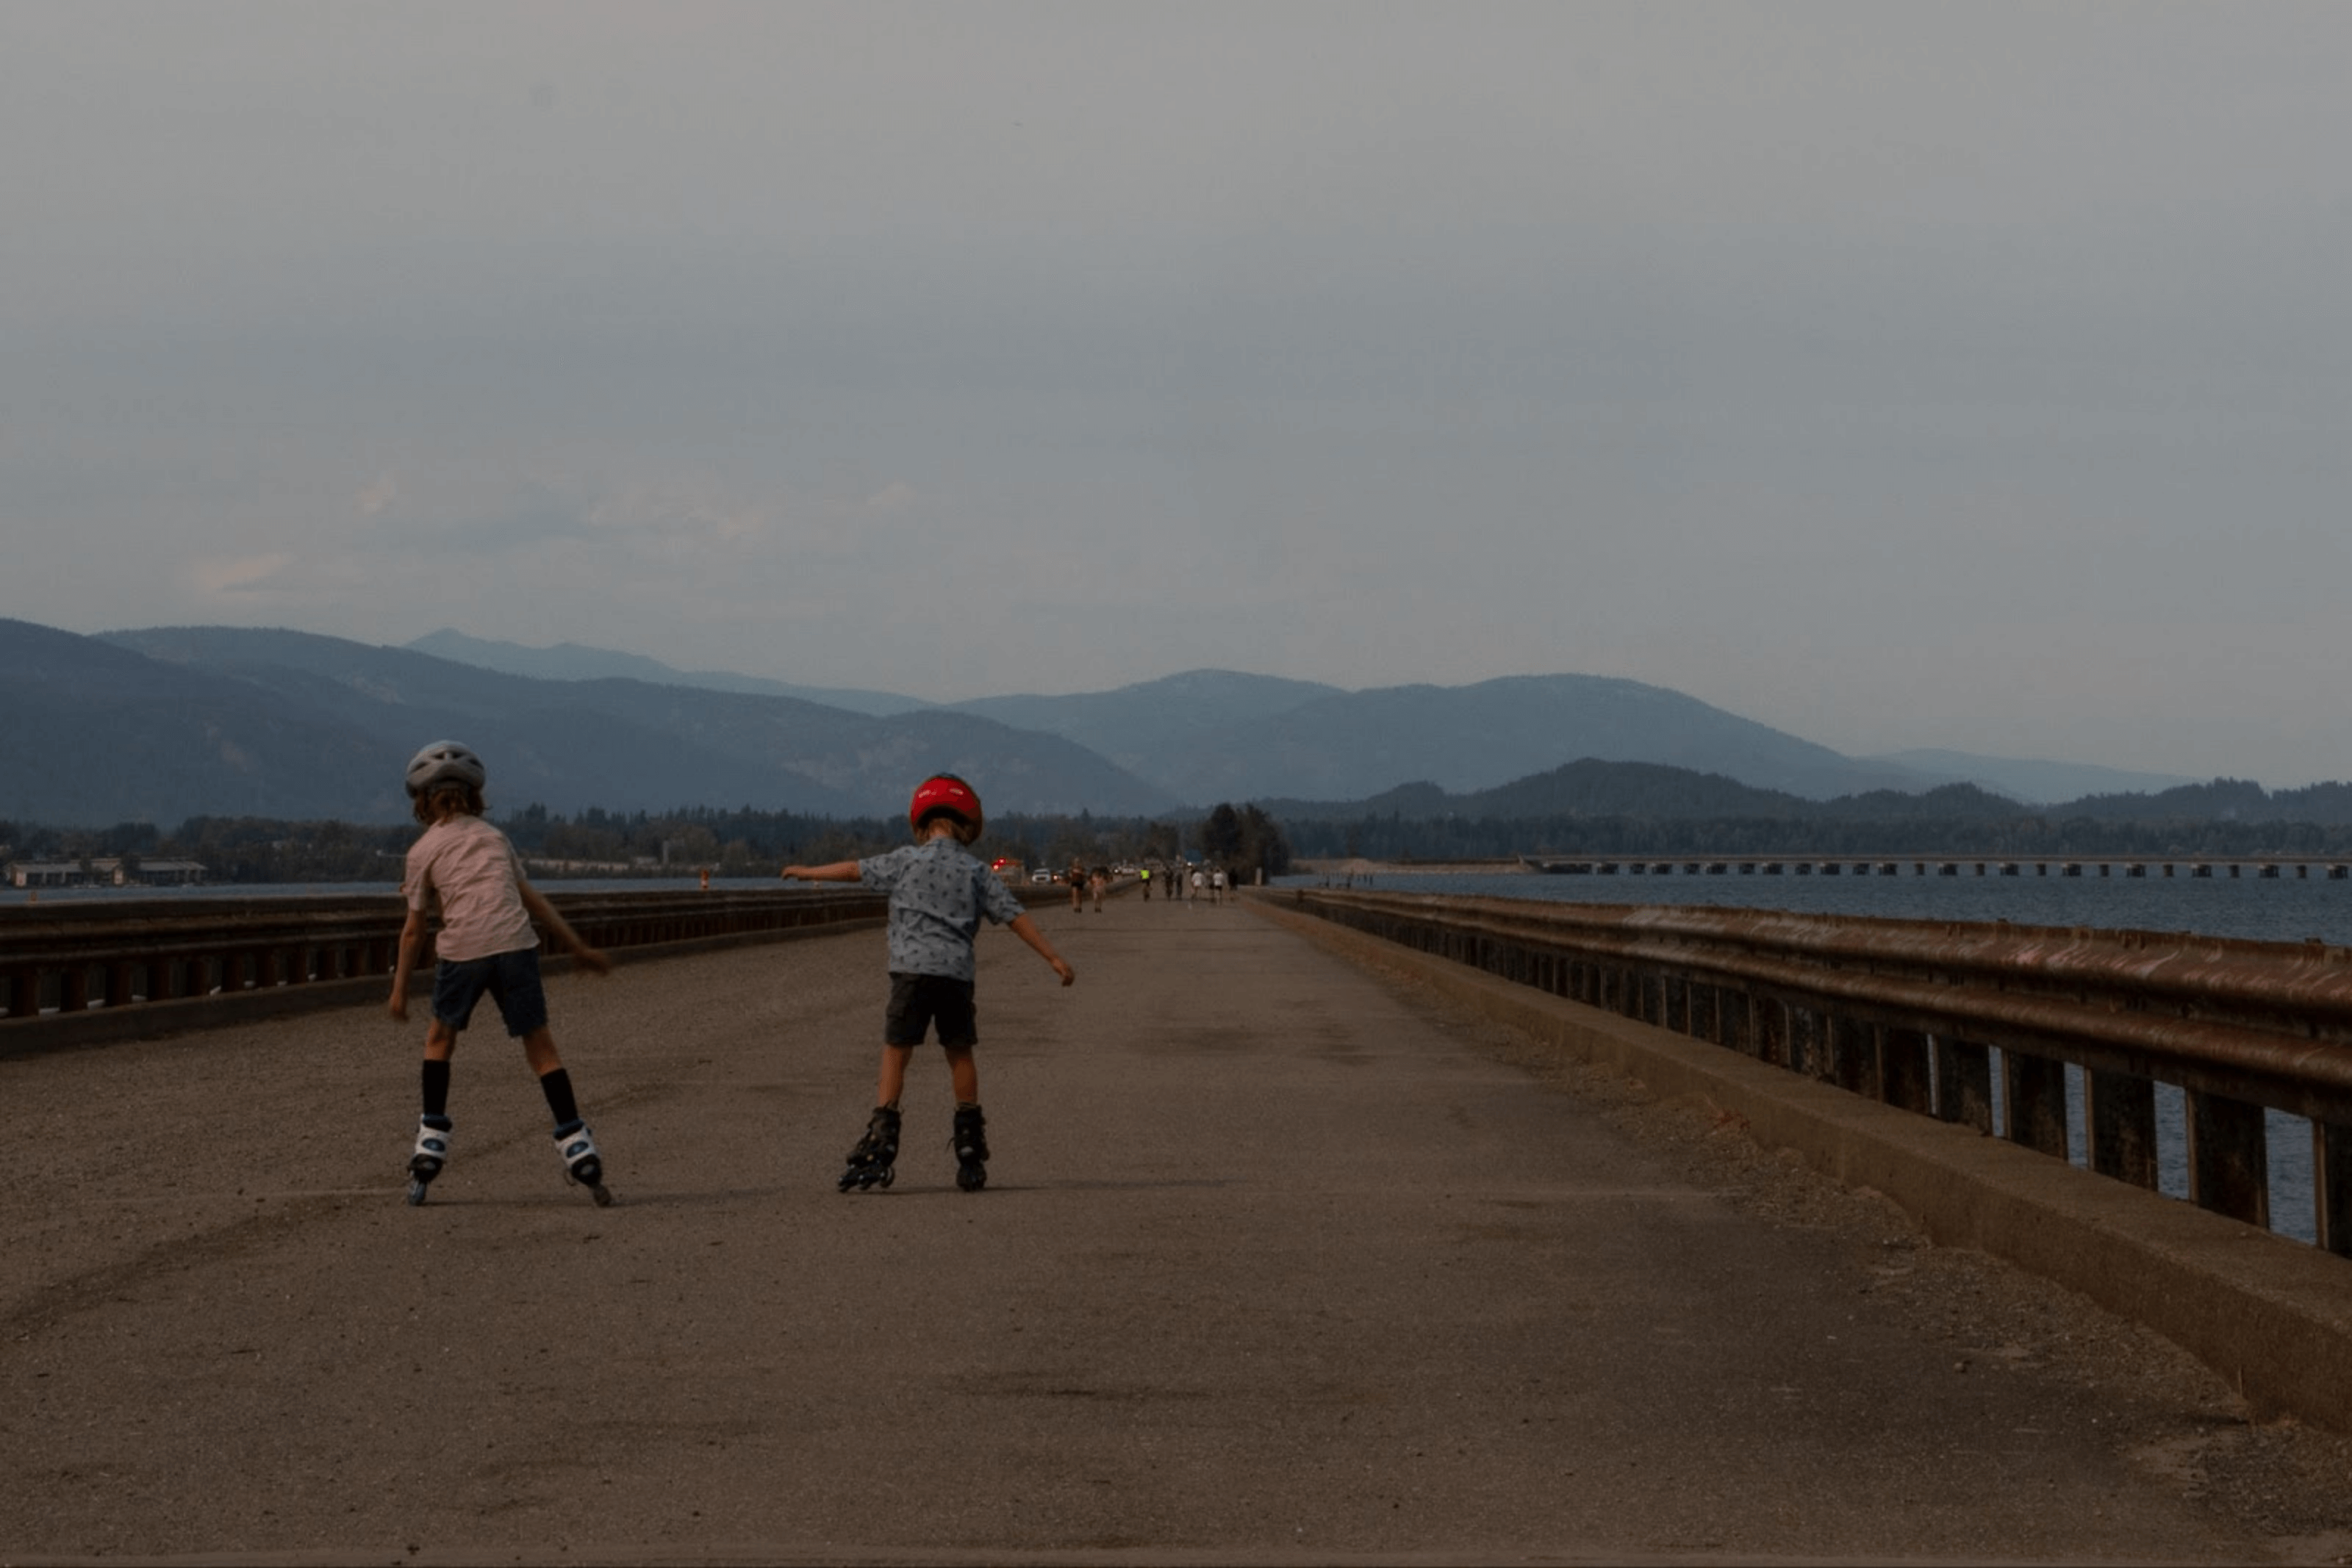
(918, 1002)
(511, 979)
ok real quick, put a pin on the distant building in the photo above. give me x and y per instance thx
(48, 874)
(163, 874)
(105, 873)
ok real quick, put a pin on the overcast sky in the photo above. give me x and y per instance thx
(1973, 375)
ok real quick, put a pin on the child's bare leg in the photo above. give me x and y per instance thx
(440, 1041)
(538, 1050)
(964, 1075)
(893, 1081)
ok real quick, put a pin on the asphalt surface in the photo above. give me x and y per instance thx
(1279, 1261)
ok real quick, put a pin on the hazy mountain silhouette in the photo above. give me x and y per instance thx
(102, 735)
(1654, 792)
(1352, 743)
(2034, 782)
(620, 744)
(1153, 728)
(576, 662)
(1210, 735)
(166, 722)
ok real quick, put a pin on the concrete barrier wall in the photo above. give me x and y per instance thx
(278, 958)
(2272, 1315)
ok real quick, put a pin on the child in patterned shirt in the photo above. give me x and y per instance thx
(938, 894)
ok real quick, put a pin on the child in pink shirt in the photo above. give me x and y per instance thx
(486, 945)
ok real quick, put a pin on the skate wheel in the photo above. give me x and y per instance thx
(889, 1176)
(971, 1178)
(600, 1193)
(415, 1194)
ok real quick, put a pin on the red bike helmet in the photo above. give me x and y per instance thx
(944, 792)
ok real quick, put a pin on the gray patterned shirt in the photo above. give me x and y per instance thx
(938, 894)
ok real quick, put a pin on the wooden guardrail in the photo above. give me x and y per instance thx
(1923, 1014)
(174, 962)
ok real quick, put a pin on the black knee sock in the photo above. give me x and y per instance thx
(436, 1088)
(557, 1087)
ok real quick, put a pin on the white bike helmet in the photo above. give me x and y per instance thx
(444, 762)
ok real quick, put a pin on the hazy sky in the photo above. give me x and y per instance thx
(1974, 375)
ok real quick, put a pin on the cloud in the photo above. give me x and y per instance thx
(245, 576)
(377, 497)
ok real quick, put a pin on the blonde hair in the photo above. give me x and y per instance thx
(444, 800)
(966, 830)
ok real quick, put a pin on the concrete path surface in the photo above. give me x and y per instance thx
(1280, 1261)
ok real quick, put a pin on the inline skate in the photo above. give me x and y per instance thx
(871, 1161)
(970, 1144)
(577, 1147)
(432, 1154)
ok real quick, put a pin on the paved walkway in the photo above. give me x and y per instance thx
(1278, 1262)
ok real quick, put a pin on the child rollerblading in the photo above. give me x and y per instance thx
(938, 896)
(487, 944)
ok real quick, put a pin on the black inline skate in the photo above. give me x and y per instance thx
(577, 1149)
(971, 1145)
(871, 1161)
(432, 1154)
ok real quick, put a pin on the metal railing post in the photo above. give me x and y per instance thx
(1905, 1077)
(2228, 1158)
(2119, 1125)
(2035, 1090)
(2331, 1164)
(1964, 1083)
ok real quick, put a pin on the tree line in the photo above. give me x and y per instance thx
(596, 842)
(2019, 836)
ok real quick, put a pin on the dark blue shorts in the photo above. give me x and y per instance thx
(511, 979)
(918, 1002)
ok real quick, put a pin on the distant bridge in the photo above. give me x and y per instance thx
(2334, 868)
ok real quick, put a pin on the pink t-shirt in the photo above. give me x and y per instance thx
(474, 870)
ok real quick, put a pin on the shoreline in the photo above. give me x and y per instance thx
(1358, 866)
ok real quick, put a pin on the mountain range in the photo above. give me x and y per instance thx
(1207, 735)
(166, 722)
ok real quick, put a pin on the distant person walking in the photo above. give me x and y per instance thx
(1099, 879)
(1077, 877)
(467, 868)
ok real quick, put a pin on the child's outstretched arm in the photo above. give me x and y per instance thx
(561, 929)
(412, 941)
(1026, 929)
(839, 871)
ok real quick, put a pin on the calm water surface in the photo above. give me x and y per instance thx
(2285, 910)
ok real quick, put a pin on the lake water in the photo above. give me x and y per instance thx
(2287, 909)
(2284, 909)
